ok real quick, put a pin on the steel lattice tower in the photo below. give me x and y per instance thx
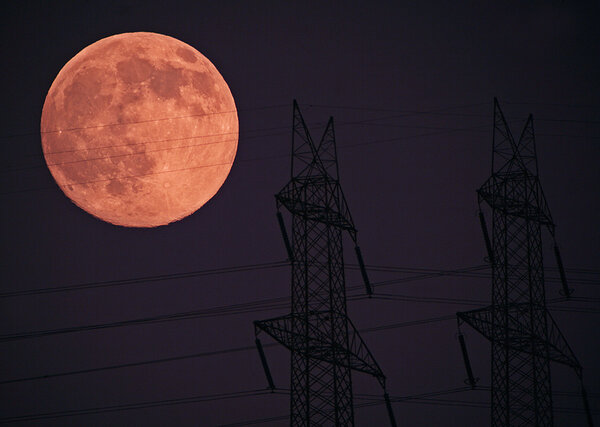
(324, 344)
(523, 335)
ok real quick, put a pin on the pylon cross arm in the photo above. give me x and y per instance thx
(518, 195)
(319, 199)
(518, 336)
(291, 331)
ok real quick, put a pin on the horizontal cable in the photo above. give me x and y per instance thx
(395, 325)
(424, 398)
(356, 406)
(161, 119)
(211, 353)
(428, 273)
(342, 147)
(444, 112)
(145, 279)
(186, 315)
(132, 406)
(262, 305)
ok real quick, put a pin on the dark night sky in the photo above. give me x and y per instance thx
(410, 88)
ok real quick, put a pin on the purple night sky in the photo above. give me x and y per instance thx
(411, 90)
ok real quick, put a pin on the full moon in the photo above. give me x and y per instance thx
(139, 129)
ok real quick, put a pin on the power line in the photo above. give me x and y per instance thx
(410, 298)
(211, 353)
(96, 181)
(346, 146)
(132, 364)
(269, 265)
(467, 129)
(258, 421)
(245, 137)
(409, 323)
(420, 274)
(186, 315)
(266, 107)
(261, 305)
(405, 113)
(554, 392)
(194, 137)
(132, 406)
(471, 404)
(114, 156)
(444, 112)
(86, 150)
(43, 165)
(428, 398)
(423, 398)
(476, 128)
(392, 268)
(282, 303)
(234, 269)
(144, 279)
(377, 401)
(194, 399)
(467, 272)
(465, 301)
(589, 106)
(269, 129)
(35, 133)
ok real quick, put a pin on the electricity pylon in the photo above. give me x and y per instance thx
(324, 344)
(522, 332)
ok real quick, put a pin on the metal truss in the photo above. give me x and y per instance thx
(324, 344)
(523, 335)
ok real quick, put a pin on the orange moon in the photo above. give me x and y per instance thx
(139, 129)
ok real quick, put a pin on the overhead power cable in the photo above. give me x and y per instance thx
(441, 130)
(186, 315)
(548, 104)
(145, 279)
(404, 113)
(187, 400)
(373, 401)
(223, 270)
(485, 405)
(132, 406)
(445, 112)
(275, 303)
(395, 325)
(210, 353)
(134, 145)
(427, 398)
(245, 137)
(419, 274)
(160, 119)
(133, 364)
(474, 272)
(143, 152)
(430, 398)
(342, 147)
(405, 269)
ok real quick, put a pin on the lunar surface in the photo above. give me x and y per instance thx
(139, 129)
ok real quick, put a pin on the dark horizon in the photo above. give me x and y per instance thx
(410, 89)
